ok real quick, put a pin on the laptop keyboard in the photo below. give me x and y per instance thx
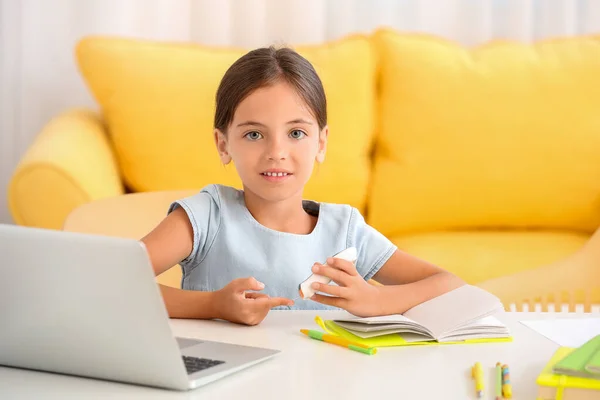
(194, 364)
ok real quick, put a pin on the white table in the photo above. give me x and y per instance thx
(425, 372)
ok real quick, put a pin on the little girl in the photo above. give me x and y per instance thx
(244, 252)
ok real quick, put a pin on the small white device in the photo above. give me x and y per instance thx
(305, 288)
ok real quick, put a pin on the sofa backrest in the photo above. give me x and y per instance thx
(506, 135)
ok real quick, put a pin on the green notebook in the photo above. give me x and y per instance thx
(554, 386)
(583, 361)
(593, 365)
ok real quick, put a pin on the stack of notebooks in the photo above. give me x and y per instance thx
(572, 373)
(463, 315)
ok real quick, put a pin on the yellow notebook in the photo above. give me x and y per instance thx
(463, 315)
(563, 387)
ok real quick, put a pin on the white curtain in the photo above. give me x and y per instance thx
(39, 78)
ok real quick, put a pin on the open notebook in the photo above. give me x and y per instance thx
(462, 315)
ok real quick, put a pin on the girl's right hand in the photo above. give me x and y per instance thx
(235, 304)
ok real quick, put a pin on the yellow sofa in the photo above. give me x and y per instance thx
(485, 161)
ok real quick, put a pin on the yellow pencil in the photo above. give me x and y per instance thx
(339, 341)
(477, 373)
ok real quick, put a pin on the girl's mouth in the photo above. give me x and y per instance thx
(276, 176)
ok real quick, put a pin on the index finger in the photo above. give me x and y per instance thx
(271, 302)
(280, 301)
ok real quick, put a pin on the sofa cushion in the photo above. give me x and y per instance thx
(158, 102)
(476, 256)
(503, 135)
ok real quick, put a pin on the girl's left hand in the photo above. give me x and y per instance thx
(353, 294)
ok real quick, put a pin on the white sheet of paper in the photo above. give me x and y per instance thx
(565, 331)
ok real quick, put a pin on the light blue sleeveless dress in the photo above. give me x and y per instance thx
(229, 244)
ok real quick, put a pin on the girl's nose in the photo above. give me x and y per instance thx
(277, 150)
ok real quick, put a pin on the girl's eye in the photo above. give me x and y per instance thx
(253, 135)
(297, 134)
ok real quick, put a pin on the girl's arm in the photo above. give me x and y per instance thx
(409, 281)
(167, 244)
(172, 241)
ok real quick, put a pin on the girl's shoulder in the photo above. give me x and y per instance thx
(340, 210)
(334, 217)
(211, 202)
(222, 192)
(222, 196)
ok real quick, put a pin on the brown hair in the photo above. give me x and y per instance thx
(263, 67)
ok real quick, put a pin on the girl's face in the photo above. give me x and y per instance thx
(273, 142)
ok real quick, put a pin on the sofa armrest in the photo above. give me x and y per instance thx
(69, 163)
(570, 281)
(130, 216)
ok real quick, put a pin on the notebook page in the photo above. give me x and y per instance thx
(408, 336)
(457, 308)
(566, 332)
(357, 326)
(398, 320)
(487, 327)
(384, 319)
(400, 331)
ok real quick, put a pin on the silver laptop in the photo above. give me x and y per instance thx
(89, 305)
